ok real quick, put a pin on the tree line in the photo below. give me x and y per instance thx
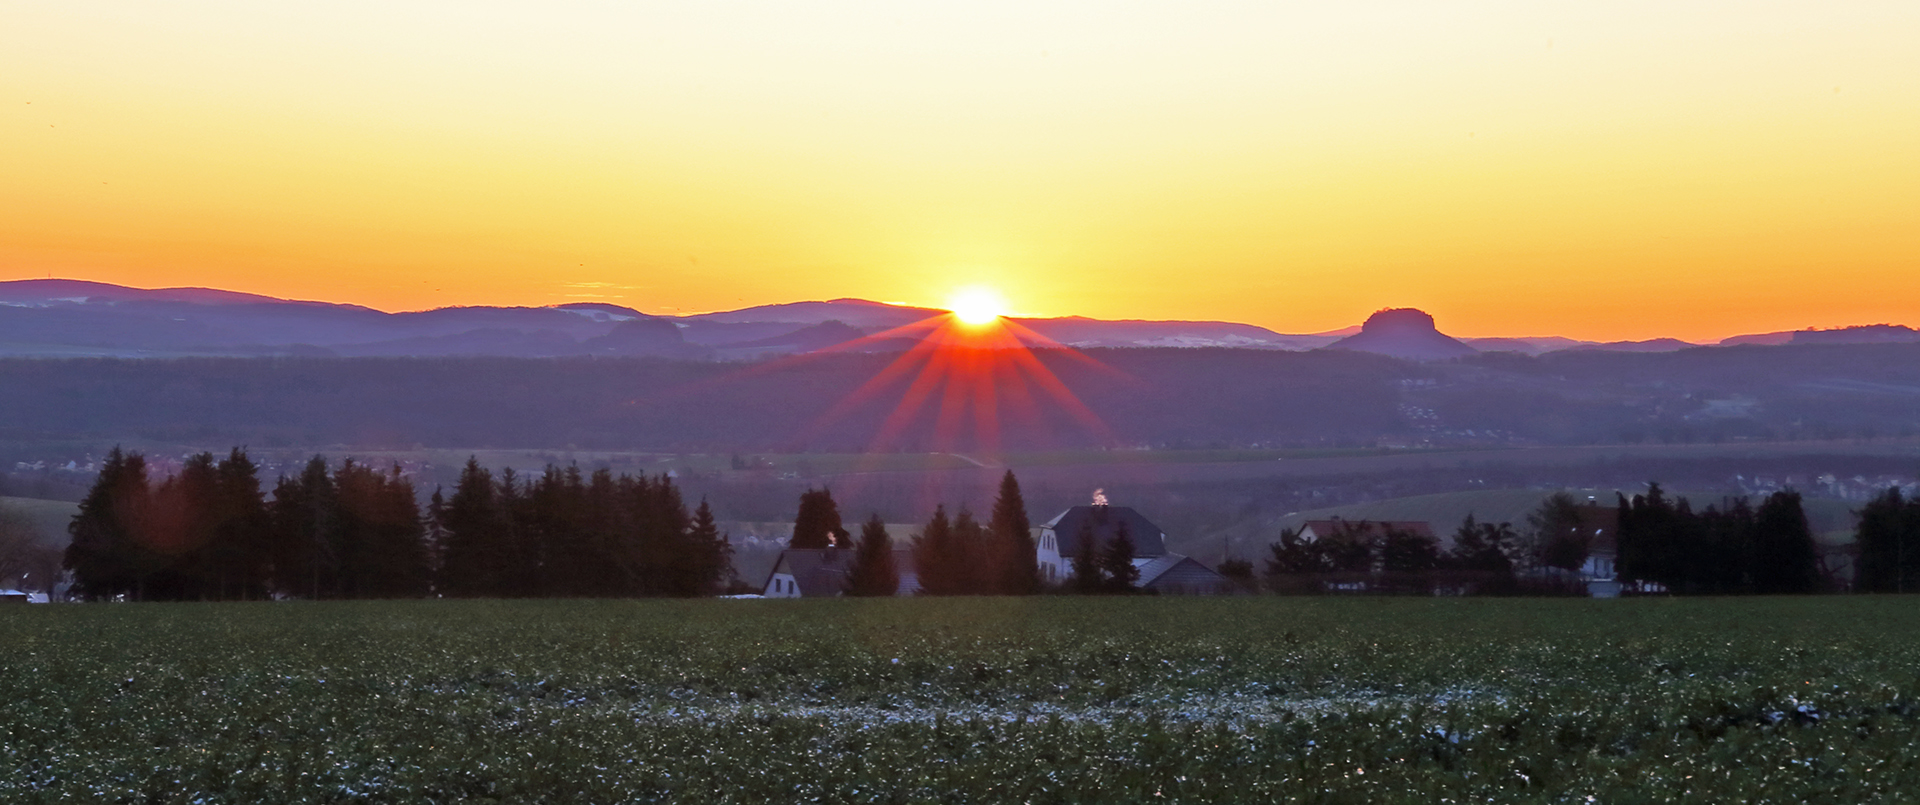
(208, 533)
(1365, 556)
(1661, 544)
(1732, 548)
(952, 555)
(1889, 542)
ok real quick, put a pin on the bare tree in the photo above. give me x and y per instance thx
(25, 560)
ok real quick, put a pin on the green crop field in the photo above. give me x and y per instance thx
(968, 700)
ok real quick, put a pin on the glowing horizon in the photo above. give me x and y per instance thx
(1693, 170)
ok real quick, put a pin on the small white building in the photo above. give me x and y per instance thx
(1061, 539)
(822, 573)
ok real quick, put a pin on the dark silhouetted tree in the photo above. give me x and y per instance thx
(1349, 549)
(1652, 538)
(105, 554)
(1404, 551)
(818, 523)
(178, 529)
(938, 557)
(1556, 533)
(437, 537)
(306, 532)
(972, 552)
(1785, 559)
(1087, 577)
(242, 554)
(1293, 556)
(1116, 561)
(706, 557)
(381, 540)
(1888, 539)
(873, 573)
(1014, 558)
(475, 558)
(1488, 549)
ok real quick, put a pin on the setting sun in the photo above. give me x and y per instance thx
(977, 305)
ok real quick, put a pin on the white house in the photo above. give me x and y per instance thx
(1161, 571)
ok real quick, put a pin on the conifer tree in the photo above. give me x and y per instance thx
(1483, 547)
(381, 542)
(607, 575)
(1349, 549)
(873, 572)
(972, 551)
(474, 555)
(1292, 555)
(818, 523)
(1087, 578)
(1785, 559)
(105, 554)
(1016, 563)
(707, 558)
(937, 559)
(243, 536)
(1888, 537)
(1117, 562)
(1486, 548)
(516, 570)
(1407, 552)
(436, 531)
(668, 526)
(1555, 530)
(179, 531)
(306, 532)
(553, 536)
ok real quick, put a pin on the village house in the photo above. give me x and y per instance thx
(1161, 571)
(822, 572)
(1598, 524)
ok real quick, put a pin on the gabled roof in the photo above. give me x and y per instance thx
(822, 572)
(816, 571)
(1173, 573)
(1148, 539)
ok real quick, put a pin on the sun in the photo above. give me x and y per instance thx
(976, 306)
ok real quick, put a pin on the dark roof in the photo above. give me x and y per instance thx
(820, 572)
(1179, 575)
(1367, 529)
(1148, 539)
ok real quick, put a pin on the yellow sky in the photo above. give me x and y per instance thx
(1597, 170)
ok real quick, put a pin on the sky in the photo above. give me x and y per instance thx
(1617, 170)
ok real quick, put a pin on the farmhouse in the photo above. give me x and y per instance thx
(1163, 572)
(822, 572)
(1599, 524)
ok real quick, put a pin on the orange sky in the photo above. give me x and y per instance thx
(1597, 170)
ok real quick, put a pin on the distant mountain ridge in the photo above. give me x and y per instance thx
(76, 318)
(80, 318)
(1404, 333)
